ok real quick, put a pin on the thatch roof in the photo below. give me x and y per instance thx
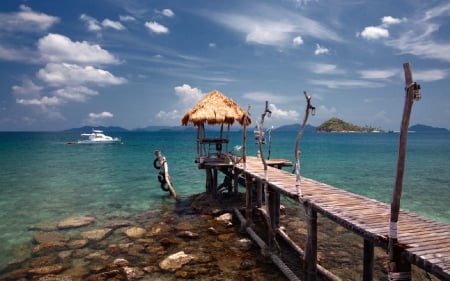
(215, 108)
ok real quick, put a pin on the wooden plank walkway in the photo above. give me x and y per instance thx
(426, 242)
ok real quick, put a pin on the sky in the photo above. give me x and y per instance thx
(139, 63)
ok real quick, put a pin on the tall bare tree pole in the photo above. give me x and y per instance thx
(399, 268)
(312, 109)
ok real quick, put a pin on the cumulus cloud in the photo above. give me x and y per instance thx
(59, 48)
(101, 115)
(26, 20)
(43, 101)
(92, 23)
(278, 113)
(188, 96)
(374, 32)
(28, 88)
(155, 27)
(321, 50)
(72, 74)
(168, 13)
(113, 24)
(297, 41)
(78, 93)
(169, 115)
(380, 31)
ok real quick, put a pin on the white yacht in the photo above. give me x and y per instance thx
(97, 136)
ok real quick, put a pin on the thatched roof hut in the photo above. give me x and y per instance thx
(214, 109)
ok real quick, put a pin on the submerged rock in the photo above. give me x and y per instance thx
(96, 234)
(75, 222)
(175, 261)
(49, 237)
(135, 232)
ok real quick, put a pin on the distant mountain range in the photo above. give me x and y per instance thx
(285, 128)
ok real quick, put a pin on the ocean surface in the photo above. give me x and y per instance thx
(43, 179)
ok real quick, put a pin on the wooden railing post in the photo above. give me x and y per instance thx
(400, 269)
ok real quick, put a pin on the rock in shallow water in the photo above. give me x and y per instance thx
(175, 261)
(135, 232)
(75, 222)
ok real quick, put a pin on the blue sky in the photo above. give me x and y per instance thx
(136, 63)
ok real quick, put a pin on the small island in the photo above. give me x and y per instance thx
(336, 125)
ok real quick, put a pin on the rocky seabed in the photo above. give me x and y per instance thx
(151, 246)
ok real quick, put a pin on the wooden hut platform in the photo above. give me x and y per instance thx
(425, 243)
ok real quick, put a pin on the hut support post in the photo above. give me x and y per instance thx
(368, 260)
(310, 265)
(399, 268)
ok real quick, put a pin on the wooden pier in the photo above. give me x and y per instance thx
(423, 242)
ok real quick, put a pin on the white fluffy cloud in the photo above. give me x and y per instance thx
(374, 32)
(59, 48)
(278, 113)
(27, 20)
(101, 115)
(92, 23)
(380, 31)
(43, 101)
(187, 95)
(113, 24)
(72, 74)
(28, 88)
(155, 27)
(321, 50)
(78, 93)
(297, 41)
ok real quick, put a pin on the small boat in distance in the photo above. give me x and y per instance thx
(97, 136)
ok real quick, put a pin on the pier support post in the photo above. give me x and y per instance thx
(248, 199)
(274, 214)
(368, 260)
(236, 184)
(310, 265)
(259, 194)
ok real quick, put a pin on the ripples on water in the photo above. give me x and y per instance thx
(42, 179)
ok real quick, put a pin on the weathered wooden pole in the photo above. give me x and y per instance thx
(312, 109)
(399, 267)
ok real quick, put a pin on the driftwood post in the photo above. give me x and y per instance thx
(164, 171)
(399, 267)
(310, 258)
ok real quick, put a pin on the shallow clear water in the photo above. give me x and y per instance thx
(43, 179)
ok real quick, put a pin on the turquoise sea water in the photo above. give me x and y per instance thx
(43, 179)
